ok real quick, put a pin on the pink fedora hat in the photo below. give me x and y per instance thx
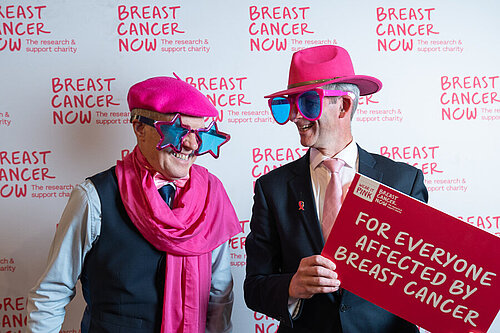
(316, 66)
(170, 95)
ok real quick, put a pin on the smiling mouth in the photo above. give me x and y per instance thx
(304, 127)
(180, 156)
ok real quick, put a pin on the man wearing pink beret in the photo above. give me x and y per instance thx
(286, 276)
(148, 238)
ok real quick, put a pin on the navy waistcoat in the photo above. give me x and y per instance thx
(123, 275)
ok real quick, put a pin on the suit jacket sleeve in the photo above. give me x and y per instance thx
(419, 191)
(265, 286)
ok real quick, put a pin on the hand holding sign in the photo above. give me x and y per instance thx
(315, 275)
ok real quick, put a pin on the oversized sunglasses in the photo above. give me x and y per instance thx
(309, 103)
(173, 132)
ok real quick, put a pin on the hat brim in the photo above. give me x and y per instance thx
(367, 85)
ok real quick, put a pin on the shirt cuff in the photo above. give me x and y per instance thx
(294, 307)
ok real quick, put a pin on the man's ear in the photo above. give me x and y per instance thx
(347, 105)
(139, 129)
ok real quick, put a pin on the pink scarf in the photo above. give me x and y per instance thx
(201, 220)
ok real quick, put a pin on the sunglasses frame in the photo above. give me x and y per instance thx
(293, 99)
(158, 123)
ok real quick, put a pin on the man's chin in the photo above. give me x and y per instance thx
(306, 141)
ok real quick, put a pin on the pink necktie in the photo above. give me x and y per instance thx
(333, 195)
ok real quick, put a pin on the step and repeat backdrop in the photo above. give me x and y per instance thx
(66, 67)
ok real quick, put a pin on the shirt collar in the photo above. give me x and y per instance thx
(161, 181)
(349, 155)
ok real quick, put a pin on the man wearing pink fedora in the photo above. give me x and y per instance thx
(148, 238)
(286, 276)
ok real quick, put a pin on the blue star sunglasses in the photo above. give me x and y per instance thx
(173, 132)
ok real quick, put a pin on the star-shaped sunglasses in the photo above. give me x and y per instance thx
(309, 103)
(173, 132)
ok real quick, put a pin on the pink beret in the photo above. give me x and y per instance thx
(170, 95)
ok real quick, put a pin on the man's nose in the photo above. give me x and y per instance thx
(190, 142)
(294, 113)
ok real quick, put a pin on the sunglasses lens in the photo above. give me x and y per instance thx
(211, 140)
(309, 105)
(172, 134)
(280, 108)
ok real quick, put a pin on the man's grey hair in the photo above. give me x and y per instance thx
(347, 87)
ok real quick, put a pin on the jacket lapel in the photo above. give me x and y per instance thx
(300, 189)
(367, 165)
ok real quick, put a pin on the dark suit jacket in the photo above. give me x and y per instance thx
(281, 235)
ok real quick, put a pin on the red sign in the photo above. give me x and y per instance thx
(415, 261)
